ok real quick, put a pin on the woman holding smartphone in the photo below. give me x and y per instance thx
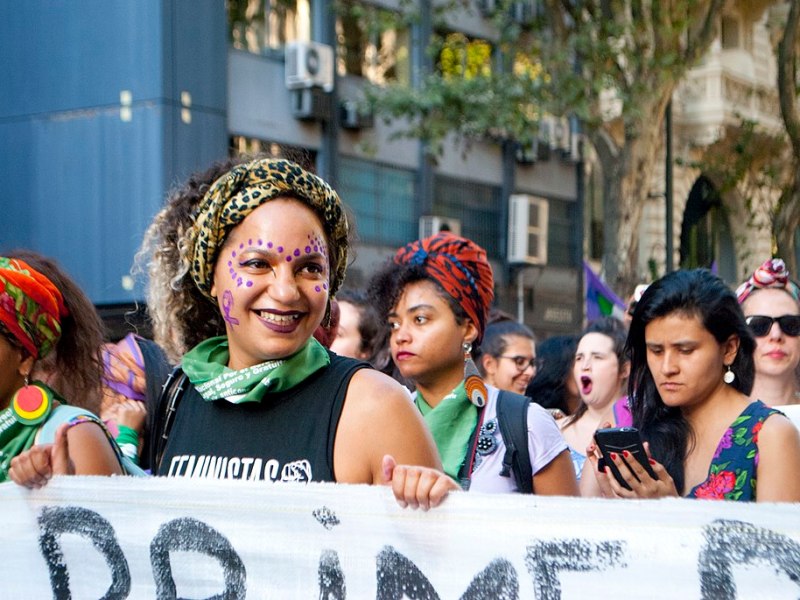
(691, 376)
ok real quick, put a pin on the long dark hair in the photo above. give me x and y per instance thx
(75, 369)
(554, 359)
(695, 293)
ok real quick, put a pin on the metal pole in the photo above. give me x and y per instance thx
(668, 207)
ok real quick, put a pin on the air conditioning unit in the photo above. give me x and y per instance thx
(351, 117)
(308, 65)
(561, 140)
(431, 225)
(527, 229)
(311, 104)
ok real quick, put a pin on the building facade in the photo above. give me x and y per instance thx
(100, 122)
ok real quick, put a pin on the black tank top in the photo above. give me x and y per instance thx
(286, 437)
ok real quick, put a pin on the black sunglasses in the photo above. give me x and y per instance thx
(521, 362)
(760, 325)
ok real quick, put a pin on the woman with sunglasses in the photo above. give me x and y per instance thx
(771, 305)
(508, 356)
(691, 377)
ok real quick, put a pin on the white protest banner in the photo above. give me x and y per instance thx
(87, 537)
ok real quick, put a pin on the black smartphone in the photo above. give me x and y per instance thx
(617, 440)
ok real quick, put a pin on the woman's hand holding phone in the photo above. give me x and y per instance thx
(629, 478)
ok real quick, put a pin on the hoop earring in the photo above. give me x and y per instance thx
(729, 376)
(473, 383)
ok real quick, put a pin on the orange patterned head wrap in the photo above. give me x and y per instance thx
(460, 266)
(31, 307)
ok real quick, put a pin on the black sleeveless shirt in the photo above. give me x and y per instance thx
(287, 436)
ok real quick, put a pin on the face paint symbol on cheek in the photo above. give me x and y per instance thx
(227, 306)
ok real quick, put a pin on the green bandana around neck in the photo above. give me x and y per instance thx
(206, 367)
(451, 422)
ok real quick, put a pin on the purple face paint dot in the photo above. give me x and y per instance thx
(289, 258)
(317, 288)
(280, 249)
(325, 286)
(233, 254)
(230, 263)
(249, 284)
(316, 248)
(260, 243)
(239, 281)
(308, 249)
(269, 244)
(296, 252)
(249, 242)
(241, 245)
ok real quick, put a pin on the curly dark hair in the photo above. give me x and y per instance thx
(75, 368)
(182, 316)
(694, 293)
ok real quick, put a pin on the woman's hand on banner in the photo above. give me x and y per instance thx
(34, 467)
(417, 487)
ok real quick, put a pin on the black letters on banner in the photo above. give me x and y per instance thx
(736, 542)
(331, 577)
(54, 521)
(400, 578)
(545, 559)
(190, 534)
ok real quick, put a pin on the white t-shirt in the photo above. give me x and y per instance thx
(545, 442)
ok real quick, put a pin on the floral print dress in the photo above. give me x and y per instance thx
(732, 475)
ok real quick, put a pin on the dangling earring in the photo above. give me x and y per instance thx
(31, 404)
(729, 376)
(473, 383)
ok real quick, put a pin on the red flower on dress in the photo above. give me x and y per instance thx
(756, 428)
(716, 486)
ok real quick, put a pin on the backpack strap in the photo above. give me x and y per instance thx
(512, 417)
(163, 415)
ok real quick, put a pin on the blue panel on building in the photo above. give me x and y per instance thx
(61, 56)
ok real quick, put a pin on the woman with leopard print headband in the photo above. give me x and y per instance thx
(243, 267)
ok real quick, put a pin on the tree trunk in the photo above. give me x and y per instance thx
(787, 217)
(627, 180)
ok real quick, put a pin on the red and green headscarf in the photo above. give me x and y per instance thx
(31, 307)
(460, 266)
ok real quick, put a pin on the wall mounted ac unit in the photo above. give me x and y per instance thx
(527, 229)
(308, 65)
(352, 117)
(311, 104)
(431, 225)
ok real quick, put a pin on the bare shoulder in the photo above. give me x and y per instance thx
(373, 392)
(778, 430)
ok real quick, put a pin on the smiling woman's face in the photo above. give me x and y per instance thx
(271, 282)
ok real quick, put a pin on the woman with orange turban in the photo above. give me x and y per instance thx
(31, 413)
(435, 297)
